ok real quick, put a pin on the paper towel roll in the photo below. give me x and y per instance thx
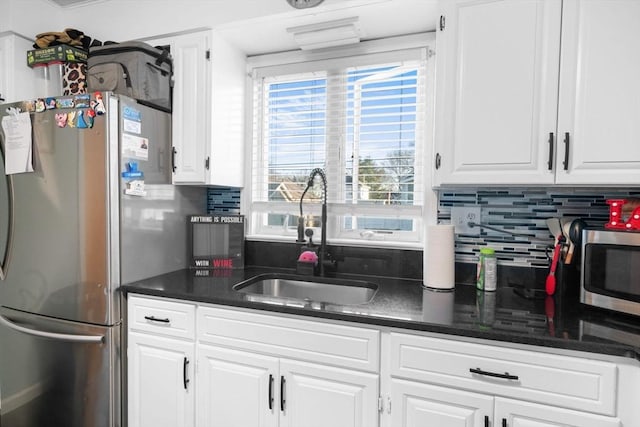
(439, 257)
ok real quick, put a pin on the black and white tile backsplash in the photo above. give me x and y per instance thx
(223, 200)
(519, 210)
(523, 210)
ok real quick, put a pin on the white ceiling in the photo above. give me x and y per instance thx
(254, 26)
(376, 19)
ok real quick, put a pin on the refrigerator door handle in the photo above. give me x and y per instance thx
(4, 263)
(91, 339)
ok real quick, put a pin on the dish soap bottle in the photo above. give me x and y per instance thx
(487, 272)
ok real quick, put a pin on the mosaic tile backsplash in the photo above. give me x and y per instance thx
(223, 200)
(524, 210)
(518, 210)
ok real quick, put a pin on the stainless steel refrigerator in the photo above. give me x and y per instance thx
(71, 232)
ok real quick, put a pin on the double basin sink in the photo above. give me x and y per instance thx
(312, 289)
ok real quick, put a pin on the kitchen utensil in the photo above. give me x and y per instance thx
(550, 284)
(575, 237)
(565, 224)
(568, 254)
(555, 228)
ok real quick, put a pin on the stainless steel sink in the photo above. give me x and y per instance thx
(316, 289)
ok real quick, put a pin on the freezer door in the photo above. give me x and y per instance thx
(58, 373)
(56, 218)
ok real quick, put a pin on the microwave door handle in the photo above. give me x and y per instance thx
(90, 339)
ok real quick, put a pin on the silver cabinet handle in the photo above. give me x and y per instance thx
(96, 339)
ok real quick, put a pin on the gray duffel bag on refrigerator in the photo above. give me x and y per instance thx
(135, 69)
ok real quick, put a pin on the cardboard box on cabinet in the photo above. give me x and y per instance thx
(60, 70)
(61, 54)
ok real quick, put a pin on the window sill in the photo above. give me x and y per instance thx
(341, 242)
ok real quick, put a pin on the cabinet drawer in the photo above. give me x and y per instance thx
(310, 341)
(170, 318)
(577, 383)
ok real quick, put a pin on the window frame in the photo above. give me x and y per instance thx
(362, 54)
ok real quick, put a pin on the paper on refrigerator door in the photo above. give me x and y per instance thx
(18, 156)
(135, 147)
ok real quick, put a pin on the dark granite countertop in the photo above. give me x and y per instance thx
(510, 314)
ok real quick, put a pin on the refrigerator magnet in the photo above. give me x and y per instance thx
(135, 188)
(90, 115)
(99, 107)
(71, 119)
(65, 103)
(61, 119)
(82, 124)
(40, 105)
(132, 171)
(82, 101)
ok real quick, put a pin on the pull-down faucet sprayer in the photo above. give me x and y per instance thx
(323, 221)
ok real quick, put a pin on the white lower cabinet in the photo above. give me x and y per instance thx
(257, 370)
(516, 413)
(160, 388)
(160, 362)
(415, 404)
(242, 389)
(236, 388)
(449, 383)
(314, 395)
(208, 366)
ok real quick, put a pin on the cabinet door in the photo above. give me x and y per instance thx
(418, 405)
(497, 68)
(160, 390)
(17, 81)
(600, 92)
(191, 104)
(236, 389)
(514, 413)
(320, 396)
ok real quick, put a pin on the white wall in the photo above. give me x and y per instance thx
(29, 17)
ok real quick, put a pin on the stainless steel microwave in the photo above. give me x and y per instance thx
(611, 270)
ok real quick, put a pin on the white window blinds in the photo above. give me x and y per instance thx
(364, 125)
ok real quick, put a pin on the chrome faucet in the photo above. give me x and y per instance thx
(323, 221)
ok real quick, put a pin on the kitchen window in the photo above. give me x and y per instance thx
(363, 120)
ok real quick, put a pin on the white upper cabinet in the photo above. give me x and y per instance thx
(497, 79)
(510, 94)
(599, 104)
(208, 112)
(17, 82)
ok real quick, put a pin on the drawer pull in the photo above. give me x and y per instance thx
(155, 319)
(486, 421)
(504, 422)
(505, 376)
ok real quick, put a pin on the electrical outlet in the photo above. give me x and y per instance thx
(461, 216)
